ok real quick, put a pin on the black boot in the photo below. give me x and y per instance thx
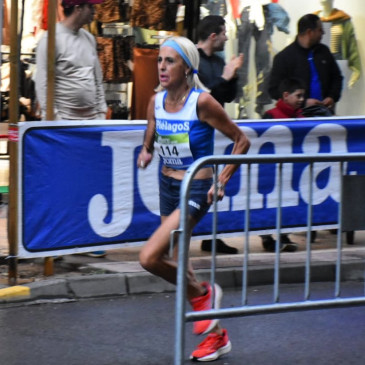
(221, 247)
(269, 244)
(313, 236)
(286, 244)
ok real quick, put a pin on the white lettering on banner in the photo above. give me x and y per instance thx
(282, 139)
(337, 136)
(279, 135)
(122, 188)
(238, 202)
(256, 198)
(149, 191)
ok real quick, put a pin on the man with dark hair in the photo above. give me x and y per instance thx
(312, 62)
(79, 92)
(219, 77)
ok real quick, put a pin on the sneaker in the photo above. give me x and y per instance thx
(221, 247)
(212, 347)
(204, 303)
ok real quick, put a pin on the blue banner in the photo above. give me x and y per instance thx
(80, 187)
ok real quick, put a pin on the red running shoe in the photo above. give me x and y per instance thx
(204, 303)
(212, 347)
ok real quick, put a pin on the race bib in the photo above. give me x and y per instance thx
(174, 150)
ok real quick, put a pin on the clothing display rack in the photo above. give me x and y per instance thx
(115, 50)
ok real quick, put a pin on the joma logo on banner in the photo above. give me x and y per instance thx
(279, 139)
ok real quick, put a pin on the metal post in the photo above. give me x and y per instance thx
(278, 238)
(214, 232)
(48, 261)
(339, 235)
(247, 235)
(308, 238)
(13, 145)
(181, 280)
(51, 57)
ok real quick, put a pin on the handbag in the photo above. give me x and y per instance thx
(317, 111)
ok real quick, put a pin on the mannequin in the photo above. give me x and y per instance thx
(343, 43)
(255, 20)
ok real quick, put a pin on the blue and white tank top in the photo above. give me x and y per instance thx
(181, 138)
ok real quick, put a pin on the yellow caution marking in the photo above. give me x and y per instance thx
(14, 291)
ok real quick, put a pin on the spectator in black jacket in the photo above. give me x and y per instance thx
(219, 77)
(310, 60)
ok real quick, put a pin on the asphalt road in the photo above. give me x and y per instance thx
(140, 330)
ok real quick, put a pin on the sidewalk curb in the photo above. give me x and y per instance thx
(121, 284)
(17, 292)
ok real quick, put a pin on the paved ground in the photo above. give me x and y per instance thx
(140, 330)
(120, 273)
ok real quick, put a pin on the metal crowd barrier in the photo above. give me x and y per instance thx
(182, 315)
